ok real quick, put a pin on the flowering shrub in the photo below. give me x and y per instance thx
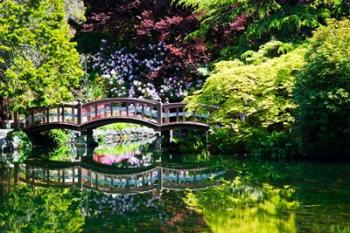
(148, 71)
(144, 51)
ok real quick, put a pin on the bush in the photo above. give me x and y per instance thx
(24, 144)
(323, 93)
(254, 99)
(60, 137)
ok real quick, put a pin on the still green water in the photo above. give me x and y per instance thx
(135, 187)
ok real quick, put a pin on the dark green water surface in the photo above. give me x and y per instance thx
(137, 188)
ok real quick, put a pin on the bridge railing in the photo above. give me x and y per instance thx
(157, 177)
(176, 113)
(119, 107)
(154, 112)
(67, 113)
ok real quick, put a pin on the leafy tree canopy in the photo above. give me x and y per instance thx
(237, 25)
(254, 98)
(323, 93)
(38, 63)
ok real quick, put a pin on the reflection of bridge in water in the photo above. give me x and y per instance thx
(65, 175)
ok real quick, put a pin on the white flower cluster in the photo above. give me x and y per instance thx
(138, 73)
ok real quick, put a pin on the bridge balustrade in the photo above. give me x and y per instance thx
(151, 112)
(158, 177)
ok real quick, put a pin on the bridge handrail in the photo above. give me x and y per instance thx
(156, 113)
(125, 100)
(42, 108)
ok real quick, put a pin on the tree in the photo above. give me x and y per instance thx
(144, 50)
(230, 27)
(254, 99)
(37, 209)
(323, 93)
(39, 65)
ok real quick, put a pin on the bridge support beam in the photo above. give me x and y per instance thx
(89, 138)
(167, 137)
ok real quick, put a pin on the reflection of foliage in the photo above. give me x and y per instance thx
(118, 149)
(191, 142)
(62, 153)
(63, 149)
(238, 206)
(59, 136)
(24, 144)
(29, 209)
(123, 155)
(148, 212)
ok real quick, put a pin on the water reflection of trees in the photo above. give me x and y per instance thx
(242, 207)
(149, 212)
(34, 209)
(37, 209)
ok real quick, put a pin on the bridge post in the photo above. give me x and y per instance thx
(167, 112)
(90, 141)
(160, 112)
(16, 120)
(79, 107)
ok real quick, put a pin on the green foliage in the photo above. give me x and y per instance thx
(62, 151)
(33, 209)
(245, 207)
(119, 126)
(247, 24)
(24, 146)
(39, 65)
(254, 99)
(60, 136)
(323, 93)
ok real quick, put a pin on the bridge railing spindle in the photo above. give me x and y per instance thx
(47, 115)
(159, 112)
(63, 115)
(177, 115)
(73, 114)
(111, 108)
(79, 111)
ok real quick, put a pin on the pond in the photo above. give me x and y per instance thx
(138, 186)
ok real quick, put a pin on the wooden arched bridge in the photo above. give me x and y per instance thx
(82, 117)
